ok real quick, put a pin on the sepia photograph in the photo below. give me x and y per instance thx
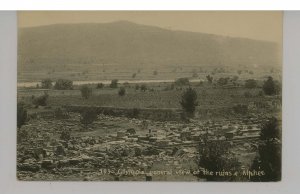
(189, 96)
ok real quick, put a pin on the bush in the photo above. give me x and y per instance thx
(122, 91)
(189, 101)
(137, 87)
(88, 117)
(143, 87)
(214, 156)
(133, 75)
(182, 81)
(223, 81)
(100, 85)
(86, 91)
(250, 83)
(41, 100)
(114, 83)
(63, 84)
(209, 79)
(270, 87)
(269, 152)
(46, 83)
(22, 116)
(155, 72)
(270, 130)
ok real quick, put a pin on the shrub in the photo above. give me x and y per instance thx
(63, 84)
(137, 87)
(114, 83)
(269, 152)
(41, 100)
(250, 83)
(155, 72)
(209, 79)
(88, 117)
(133, 75)
(86, 91)
(143, 87)
(270, 130)
(46, 83)
(189, 101)
(223, 81)
(100, 85)
(182, 81)
(22, 116)
(214, 156)
(270, 87)
(122, 91)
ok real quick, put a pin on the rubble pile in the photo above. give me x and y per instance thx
(60, 147)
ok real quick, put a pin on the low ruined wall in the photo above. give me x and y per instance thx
(141, 113)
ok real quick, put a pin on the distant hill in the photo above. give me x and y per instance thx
(133, 44)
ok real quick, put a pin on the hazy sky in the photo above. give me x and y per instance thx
(264, 25)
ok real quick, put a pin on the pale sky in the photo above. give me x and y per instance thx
(263, 25)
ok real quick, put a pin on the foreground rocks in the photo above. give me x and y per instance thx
(115, 144)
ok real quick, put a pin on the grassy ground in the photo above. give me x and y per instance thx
(156, 97)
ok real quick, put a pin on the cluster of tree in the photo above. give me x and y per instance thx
(268, 158)
(46, 84)
(100, 85)
(271, 87)
(63, 84)
(214, 157)
(142, 87)
(189, 101)
(182, 81)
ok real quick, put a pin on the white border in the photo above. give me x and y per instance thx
(291, 131)
(151, 4)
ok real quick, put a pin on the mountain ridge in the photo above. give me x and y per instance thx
(129, 43)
